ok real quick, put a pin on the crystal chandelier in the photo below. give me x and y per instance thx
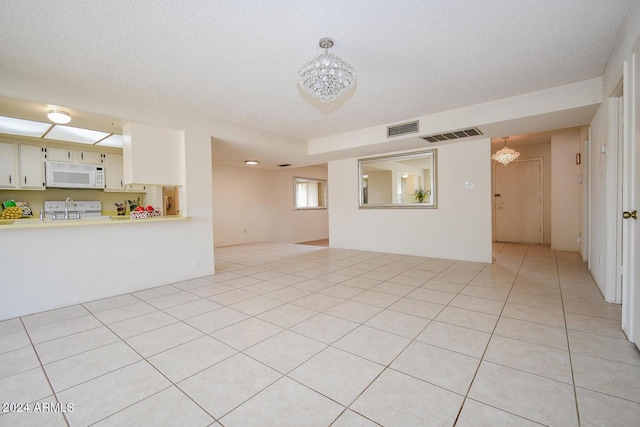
(505, 155)
(326, 76)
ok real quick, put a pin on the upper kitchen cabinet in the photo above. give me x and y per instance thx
(8, 165)
(113, 172)
(114, 180)
(89, 157)
(21, 166)
(152, 155)
(31, 167)
(59, 154)
(77, 156)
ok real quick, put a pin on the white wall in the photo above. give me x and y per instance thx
(261, 202)
(565, 192)
(598, 238)
(460, 228)
(583, 170)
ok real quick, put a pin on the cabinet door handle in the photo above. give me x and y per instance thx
(25, 179)
(82, 155)
(69, 155)
(9, 179)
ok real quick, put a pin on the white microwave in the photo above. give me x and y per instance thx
(73, 175)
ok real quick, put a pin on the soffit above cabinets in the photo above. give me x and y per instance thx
(50, 131)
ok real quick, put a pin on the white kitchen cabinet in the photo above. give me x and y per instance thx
(31, 167)
(8, 165)
(152, 156)
(135, 188)
(55, 154)
(113, 171)
(89, 157)
(59, 154)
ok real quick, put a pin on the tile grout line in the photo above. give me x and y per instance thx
(44, 371)
(566, 328)
(143, 358)
(385, 367)
(466, 396)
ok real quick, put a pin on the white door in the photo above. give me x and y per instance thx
(631, 202)
(518, 201)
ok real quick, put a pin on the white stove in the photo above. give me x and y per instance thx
(70, 209)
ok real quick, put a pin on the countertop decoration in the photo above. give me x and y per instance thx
(15, 210)
(141, 212)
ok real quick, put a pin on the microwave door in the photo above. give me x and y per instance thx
(73, 179)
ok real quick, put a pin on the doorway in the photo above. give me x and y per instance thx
(171, 200)
(518, 201)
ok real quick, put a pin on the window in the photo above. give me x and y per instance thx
(310, 193)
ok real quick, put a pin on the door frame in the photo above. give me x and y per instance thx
(540, 162)
(630, 275)
(615, 152)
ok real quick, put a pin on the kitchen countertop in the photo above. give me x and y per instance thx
(12, 224)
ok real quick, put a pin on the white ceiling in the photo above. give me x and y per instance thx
(238, 60)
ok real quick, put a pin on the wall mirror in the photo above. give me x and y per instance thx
(405, 180)
(310, 193)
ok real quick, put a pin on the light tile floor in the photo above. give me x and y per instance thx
(294, 335)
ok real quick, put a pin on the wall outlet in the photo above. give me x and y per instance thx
(469, 185)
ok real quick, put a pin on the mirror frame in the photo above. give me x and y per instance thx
(401, 156)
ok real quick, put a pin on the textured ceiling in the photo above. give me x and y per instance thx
(238, 60)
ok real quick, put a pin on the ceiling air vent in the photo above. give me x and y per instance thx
(456, 134)
(402, 129)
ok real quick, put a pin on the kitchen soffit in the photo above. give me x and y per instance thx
(34, 129)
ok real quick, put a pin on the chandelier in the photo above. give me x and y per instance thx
(505, 155)
(326, 76)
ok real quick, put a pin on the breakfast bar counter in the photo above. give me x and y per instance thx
(11, 224)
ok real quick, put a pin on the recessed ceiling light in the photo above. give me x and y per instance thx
(250, 162)
(59, 116)
(113, 140)
(21, 127)
(79, 135)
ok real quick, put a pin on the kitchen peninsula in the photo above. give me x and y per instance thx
(51, 264)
